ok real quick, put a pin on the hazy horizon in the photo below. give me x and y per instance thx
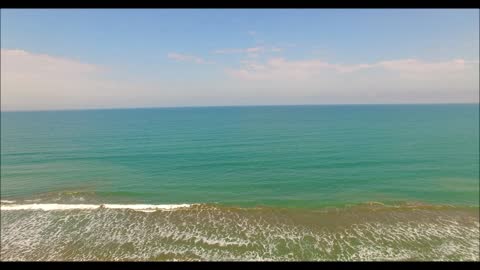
(252, 105)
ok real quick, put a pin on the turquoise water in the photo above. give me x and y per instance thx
(299, 156)
(350, 182)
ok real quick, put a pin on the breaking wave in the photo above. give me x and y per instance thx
(57, 207)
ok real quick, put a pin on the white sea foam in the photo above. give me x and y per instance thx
(147, 207)
(35, 200)
(6, 201)
(56, 206)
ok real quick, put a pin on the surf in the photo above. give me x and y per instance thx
(60, 207)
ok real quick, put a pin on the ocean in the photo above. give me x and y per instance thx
(301, 183)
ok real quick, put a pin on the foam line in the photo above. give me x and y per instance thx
(56, 206)
(6, 201)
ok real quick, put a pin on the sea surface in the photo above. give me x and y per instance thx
(330, 182)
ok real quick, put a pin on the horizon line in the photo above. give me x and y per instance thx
(223, 106)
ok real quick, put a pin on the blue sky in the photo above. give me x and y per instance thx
(196, 50)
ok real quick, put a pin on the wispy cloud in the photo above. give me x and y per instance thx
(418, 66)
(23, 61)
(280, 68)
(242, 50)
(32, 81)
(250, 50)
(392, 81)
(187, 58)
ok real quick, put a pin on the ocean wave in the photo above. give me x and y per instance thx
(56, 206)
(6, 201)
(39, 204)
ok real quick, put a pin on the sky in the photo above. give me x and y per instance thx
(129, 58)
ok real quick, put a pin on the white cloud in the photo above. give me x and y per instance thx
(254, 49)
(280, 68)
(232, 51)
(249, 51)
(395, 81)
(19, 60)
(32, 81)
(417, 66)
(186, 57)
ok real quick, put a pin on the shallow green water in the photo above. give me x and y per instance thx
(276, 156)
